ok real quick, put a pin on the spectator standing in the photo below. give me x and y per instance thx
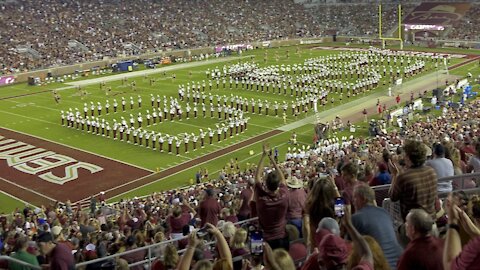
(416, 187)
(246, 196)
(376, 222)
(209, 208)
(443, 167)
(20, 253)
(271, 196)
(59, 254)
(296, 201)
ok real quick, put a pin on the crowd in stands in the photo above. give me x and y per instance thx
(292, 199)
(466, 28)
(110, 28)
(104, 27)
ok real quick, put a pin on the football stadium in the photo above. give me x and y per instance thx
(207, 134)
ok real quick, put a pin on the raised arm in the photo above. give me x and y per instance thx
(453, 245)
(186, 259)
(259, 173)
(223, 248)
(393, 191)
(277, 168)
(192, 210)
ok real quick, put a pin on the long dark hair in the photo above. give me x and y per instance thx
(320, 200)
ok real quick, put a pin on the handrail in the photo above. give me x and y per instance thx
(150, 257)
(439, 180)
(10, 259)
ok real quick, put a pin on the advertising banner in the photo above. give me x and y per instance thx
(7, 80)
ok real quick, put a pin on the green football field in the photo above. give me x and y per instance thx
(38, 114)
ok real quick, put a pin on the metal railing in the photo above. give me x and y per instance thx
(393, 208)
(149, 250)
(13, 260)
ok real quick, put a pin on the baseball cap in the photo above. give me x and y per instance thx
(333, 250)
(44, 237)
(56, 230)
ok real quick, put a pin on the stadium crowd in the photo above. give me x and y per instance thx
(104, 27)
(69, 32)
(292, 199)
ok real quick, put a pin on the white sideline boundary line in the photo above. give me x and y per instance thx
(179, 164)
(28, 189)
(78, 149)
(139, 73)
(16, 198)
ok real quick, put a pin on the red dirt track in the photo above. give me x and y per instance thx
(116, 177)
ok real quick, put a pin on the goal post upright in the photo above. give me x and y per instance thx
(380, 36)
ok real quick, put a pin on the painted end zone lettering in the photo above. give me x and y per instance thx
(31, 167)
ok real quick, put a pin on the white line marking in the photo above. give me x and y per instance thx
(78, 149)
(141, 186)
(32, 118)
(140, 73)
(28, 189)
(18, 199)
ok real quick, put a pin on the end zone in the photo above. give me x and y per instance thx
(48, 171)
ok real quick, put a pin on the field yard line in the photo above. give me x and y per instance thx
(43, 107)
(258, 154)
(18, 199)
(28, 117)
(154, 71)
(28, 189)
(78, 149)
(141, 186)
(186, 124)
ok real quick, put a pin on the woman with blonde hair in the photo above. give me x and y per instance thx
(238, 246)
(459, 167)
(169, 260)
(379, 261)
(279, 259)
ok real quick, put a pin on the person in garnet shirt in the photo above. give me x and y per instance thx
(246, 196)
(60, 255)
(209, 208)
(271, 197)
(177, 220)
(424, 250)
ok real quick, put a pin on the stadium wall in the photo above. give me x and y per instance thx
(64, 70)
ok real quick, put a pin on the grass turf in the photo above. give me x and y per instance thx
(39, 115)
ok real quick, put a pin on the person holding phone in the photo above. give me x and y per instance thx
(271, 196)
(225, 256)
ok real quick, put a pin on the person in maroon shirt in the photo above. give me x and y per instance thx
(246, 196)
(177, 220)
(296, 201)
(271, 198)
(424, 250)
(349, 173)
(209, 208)
(59, 254)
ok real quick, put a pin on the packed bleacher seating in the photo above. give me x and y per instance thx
(67, 32)
(292, 199)
(359, 20)
(467, 27)
(104, 27)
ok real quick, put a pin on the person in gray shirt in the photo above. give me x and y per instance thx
(376, 222)
(442, 166)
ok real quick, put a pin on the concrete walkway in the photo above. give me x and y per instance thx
(354, 108)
